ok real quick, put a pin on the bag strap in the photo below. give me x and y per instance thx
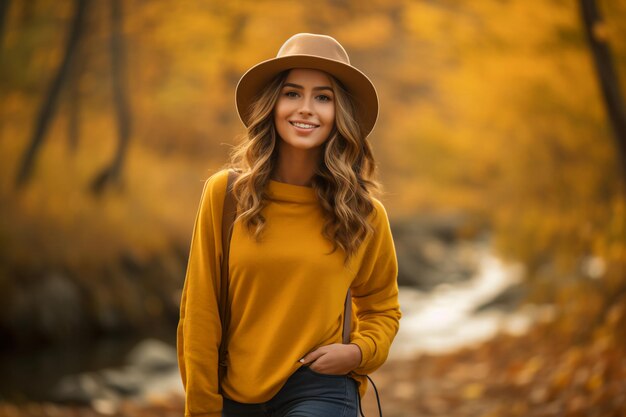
(347, 318)
(228, 218)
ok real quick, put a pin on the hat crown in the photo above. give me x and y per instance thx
(322, 46)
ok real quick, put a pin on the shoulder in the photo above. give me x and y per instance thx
(217, 180)
(378, 216)
(379, 236)
(215, 186)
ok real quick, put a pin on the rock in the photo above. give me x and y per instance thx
(48, 307)
(431, 250)
(425, 261)
(152, 366)
(152, 355)
(126, 381)
(507, 300)
(83, 389)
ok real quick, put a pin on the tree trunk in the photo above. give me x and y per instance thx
(611, 92)
(74, 98)
(74, 115)
(112, 173)
(49, 106)
(607, 77)
(4, 10)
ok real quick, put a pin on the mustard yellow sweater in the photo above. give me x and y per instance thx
(286, 295)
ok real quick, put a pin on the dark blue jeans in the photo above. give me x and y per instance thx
(305, 394)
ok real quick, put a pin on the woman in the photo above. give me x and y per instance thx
(308, 229)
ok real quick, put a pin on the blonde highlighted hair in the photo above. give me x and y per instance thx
(343, 179)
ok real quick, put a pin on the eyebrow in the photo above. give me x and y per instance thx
(300, 87)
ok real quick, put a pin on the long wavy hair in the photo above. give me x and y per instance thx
(343, 179)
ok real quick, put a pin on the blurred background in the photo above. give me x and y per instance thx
(501, 145)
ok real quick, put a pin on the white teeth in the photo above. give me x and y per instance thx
(303, 125)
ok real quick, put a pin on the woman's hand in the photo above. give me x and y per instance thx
(335, 359)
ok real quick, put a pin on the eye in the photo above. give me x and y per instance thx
(324, 97)
(291, 94)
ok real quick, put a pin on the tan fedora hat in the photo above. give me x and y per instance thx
(309, 50)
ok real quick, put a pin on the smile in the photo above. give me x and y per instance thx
(303, 125)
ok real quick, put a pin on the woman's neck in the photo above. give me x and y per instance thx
(295, 166)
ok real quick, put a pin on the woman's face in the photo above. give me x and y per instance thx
(304, 114)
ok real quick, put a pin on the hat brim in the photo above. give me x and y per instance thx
(358, 84)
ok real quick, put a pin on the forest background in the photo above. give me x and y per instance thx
(113, 113)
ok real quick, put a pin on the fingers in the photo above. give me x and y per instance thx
(313, 356)
(338, 358)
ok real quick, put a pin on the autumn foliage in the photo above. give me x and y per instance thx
(488, 108)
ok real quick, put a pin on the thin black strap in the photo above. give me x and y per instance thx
(347, 317)
(348, 312)
(380, 410)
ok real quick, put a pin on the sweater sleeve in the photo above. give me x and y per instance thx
(199, 328)
(375, 296)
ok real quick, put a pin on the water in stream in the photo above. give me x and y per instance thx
(435, 321)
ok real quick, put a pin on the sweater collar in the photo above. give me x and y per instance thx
(282, 191)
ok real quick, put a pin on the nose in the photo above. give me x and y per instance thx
(305, 107)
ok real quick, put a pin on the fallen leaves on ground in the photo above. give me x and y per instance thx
(539, 374)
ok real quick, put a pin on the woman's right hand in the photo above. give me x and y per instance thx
(334, 359)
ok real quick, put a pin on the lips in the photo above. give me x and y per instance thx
(303, 125)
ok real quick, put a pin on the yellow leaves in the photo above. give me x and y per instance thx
(602, 341)
(482, 109)
(473, 391)
(404, 390)
(561, 379)
(539, 394)
(527, 373)
(373, 31)
(490, 413)
(425, 20)
(539, 373)
(595, 382)
(573, 356)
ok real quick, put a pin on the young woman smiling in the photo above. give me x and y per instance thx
(308, 230)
